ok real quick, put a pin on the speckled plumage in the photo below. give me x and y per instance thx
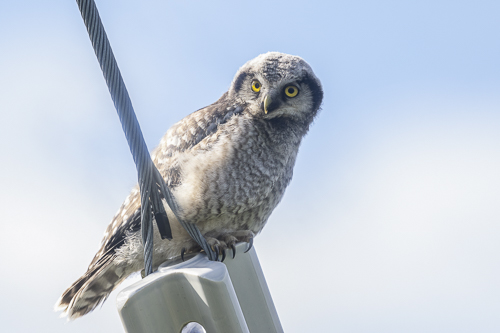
(228, 166)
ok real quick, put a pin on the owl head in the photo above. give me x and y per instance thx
(278, 85)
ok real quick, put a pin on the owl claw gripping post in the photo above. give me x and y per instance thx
(227, 165)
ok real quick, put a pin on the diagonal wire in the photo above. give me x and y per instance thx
(151, 182)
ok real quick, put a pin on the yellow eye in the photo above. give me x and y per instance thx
(291, 91)
(256, 86)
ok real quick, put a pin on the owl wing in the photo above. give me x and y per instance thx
(188, 132)
(181, 137)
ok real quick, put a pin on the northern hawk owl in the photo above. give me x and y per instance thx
(227, 165)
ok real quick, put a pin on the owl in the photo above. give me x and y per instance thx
(227, 166)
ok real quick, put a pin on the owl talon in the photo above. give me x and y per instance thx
(217, 251)
(250, 244)
(234, 250)
(223, 255)
(182, 253)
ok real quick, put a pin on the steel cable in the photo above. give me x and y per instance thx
(151, 183)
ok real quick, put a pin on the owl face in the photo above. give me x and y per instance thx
(278, 85)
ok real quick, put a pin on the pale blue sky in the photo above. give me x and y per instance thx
(392, 221)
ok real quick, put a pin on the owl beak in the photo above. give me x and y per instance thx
(271, 102)
(267, 102)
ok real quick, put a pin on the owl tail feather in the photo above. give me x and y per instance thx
(90, 290)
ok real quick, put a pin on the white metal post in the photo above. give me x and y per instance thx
(229, 297)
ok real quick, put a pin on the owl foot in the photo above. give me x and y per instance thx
(218, 245)
(223, 242)
(231, 239)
